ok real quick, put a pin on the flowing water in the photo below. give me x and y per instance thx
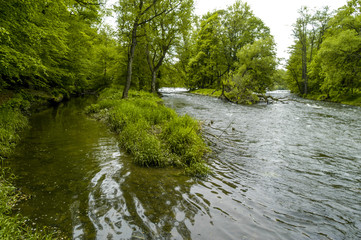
(288, 170)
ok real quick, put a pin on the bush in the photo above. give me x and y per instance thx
(154, 134)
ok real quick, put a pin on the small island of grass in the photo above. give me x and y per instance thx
(154, 134)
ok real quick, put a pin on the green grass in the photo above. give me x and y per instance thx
(208, 92)
(154, 134)
(354, 99)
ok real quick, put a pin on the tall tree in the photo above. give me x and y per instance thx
(204, 65)
(220, 37)
(132, 15)
(339, 57)
(241, 27)
(308, 31)
(163, 33)
(301, 32)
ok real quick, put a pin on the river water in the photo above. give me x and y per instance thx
(288, 170)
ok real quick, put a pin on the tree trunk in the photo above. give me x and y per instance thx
(130, 61)
(154, 78)
(304, 67)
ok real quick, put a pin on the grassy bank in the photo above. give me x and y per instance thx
(12, 122)
(232, 95)
(154, 134)
(354, 100)
(208, 92)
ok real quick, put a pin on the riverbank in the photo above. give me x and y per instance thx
(208, 92)
(13, 120)
(354, 100)
(154, 134)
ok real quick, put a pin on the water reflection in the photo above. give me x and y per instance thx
(127, 201)
(282, 171)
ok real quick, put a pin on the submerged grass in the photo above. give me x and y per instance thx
(12, 121)
(154, 134)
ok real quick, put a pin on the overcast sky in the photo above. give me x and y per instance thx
(278, 15)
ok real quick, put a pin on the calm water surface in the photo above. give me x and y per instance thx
(287, 170)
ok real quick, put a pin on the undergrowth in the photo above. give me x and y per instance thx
(154, 134)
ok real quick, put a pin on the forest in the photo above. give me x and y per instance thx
(62, 48)
(53, 50)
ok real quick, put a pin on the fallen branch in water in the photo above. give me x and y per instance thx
(267, 97)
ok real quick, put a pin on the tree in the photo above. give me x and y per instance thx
(163, 33)
(339, 58)
(47, 44)
(255, 70)
(204, 65)
(220, 37)
(134, 14)
(308, 31)
(240, 27)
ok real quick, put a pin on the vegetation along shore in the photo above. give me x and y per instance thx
(53, 50)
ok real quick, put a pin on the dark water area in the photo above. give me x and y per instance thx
(289, 170)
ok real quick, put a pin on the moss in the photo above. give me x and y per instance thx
(154, 134)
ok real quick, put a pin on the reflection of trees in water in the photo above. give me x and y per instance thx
(55, 161)
(143, 202)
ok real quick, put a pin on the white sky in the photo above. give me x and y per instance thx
(278, 15)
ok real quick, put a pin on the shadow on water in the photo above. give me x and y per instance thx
(282, 171)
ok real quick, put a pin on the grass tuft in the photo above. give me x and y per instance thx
(154, 134)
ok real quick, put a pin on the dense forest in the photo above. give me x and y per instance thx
(325, 58)
(63, 48)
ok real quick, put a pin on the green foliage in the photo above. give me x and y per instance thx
(12, 121)
(333, 49)
(151, 132)
(203, 66)
(233, 51)
(50, 44)
(208, 92)
(279, 80)
(256, 66)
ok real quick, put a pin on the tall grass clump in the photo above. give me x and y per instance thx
(154, 134)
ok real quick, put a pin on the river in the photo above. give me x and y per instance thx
(288, 170)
